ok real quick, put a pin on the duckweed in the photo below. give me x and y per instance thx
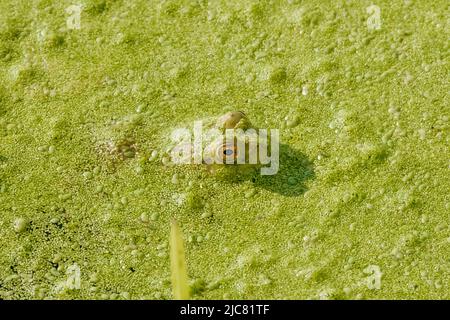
(20, 225)
(144, 217)
(359, 206)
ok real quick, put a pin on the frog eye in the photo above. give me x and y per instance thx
(226, 151)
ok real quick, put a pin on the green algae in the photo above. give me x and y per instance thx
(361, 197)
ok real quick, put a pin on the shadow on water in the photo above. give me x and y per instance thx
(295, 169)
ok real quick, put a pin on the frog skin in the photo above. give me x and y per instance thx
(217, 151)
(220, 156)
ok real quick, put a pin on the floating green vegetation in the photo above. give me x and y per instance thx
(359, 208)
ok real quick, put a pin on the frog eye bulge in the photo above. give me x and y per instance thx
(226, 151)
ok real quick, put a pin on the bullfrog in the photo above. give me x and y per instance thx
(229, 146)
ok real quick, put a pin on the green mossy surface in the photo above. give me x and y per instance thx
(363, 116)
